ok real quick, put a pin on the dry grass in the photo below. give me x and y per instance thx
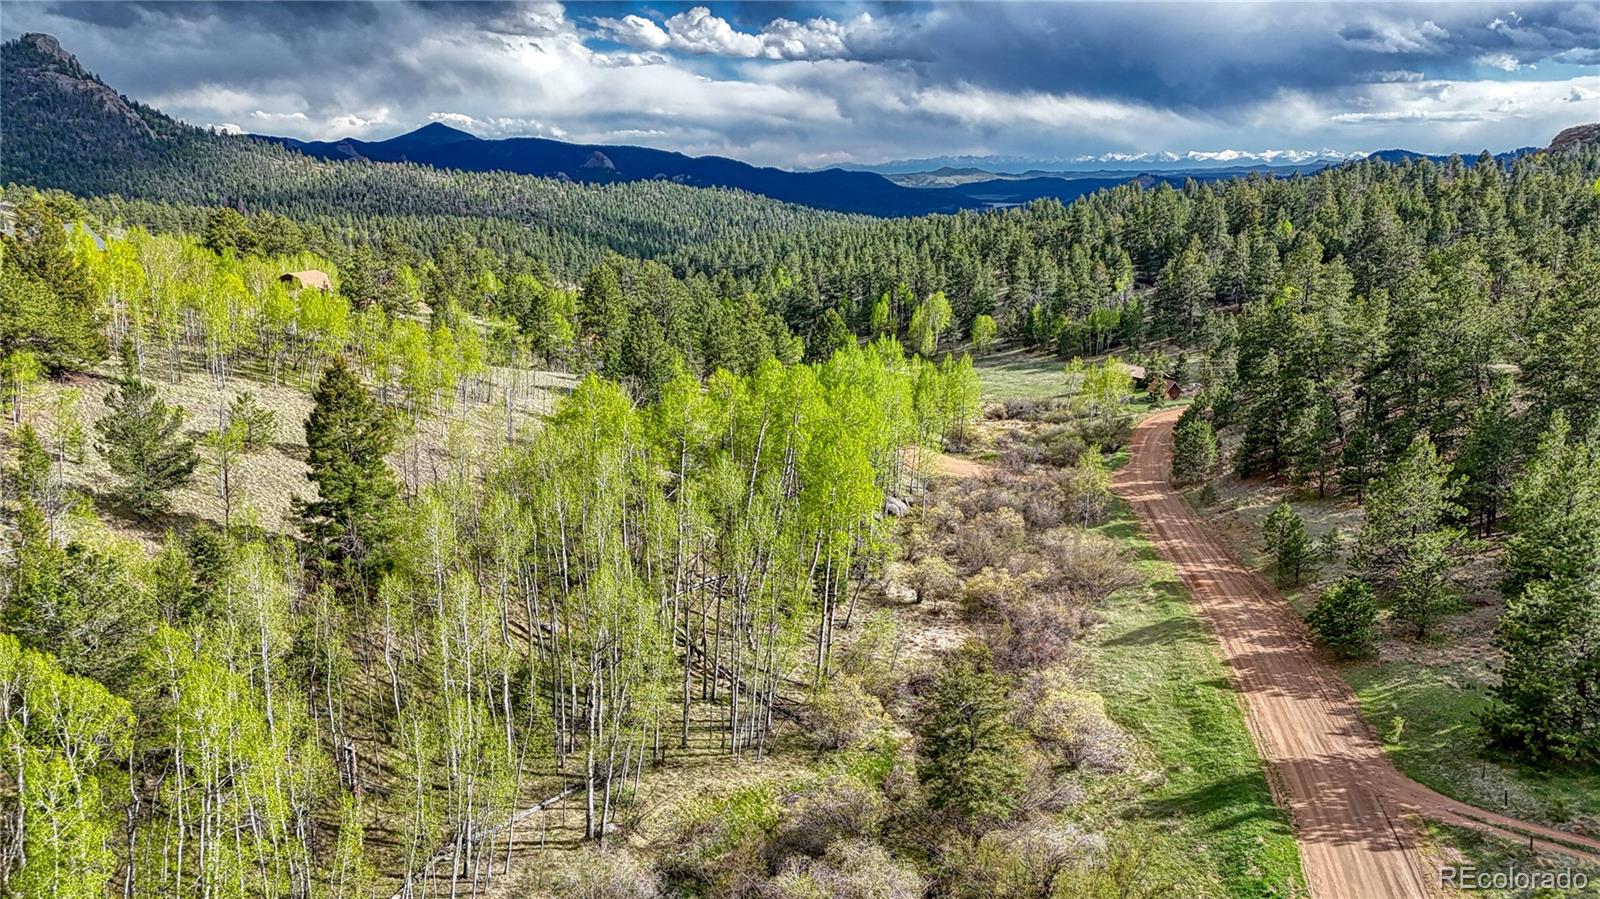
(266, 482)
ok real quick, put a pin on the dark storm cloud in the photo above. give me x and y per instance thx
(813, 82)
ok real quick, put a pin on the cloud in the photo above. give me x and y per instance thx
(1505, 62)
(698, 32)
(1384, 35)
(835, 84)
(1392, 76)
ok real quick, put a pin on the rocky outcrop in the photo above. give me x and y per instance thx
(1575, 137)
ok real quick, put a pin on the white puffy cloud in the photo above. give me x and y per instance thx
(1505, 62)
(697, 31)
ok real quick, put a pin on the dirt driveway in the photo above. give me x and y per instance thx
(1349, 804)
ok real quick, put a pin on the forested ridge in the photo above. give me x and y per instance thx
(66, 129)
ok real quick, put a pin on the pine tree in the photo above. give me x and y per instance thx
(1415, 496)
(141, 441)
(1194, 448)
(48, 304)
(1555, 511)
(1547, 704)
(1489, 454)
(1345, 618)
(1424, 592)
(1285, 536)
(348, 439)
(969, 762)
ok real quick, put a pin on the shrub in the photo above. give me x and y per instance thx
(1073, 722)
(1034, 860)
(845, 713)
(1087, 489)
(852, 869)
(593, 873)
(990, 538)
(1088, 566)
(933, 578)
(991, 590)
(1345, 618)
(837, 808)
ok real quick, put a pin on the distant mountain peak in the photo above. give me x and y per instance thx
(435, 134)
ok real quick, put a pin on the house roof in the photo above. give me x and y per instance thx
(309, 278)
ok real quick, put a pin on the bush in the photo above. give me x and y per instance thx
(852, 869)
(1038, 633)
(991, 590)
(1345, 618)
(1073, 722)
(933, 578)
(1087, 566)
(1087, 489)
(845, 714)
(1035, 860)
(593, 873)
(990, 538)
(838, 808)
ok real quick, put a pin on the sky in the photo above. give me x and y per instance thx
(806, 85)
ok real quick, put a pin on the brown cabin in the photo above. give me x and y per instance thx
(1170, 388)
(308, 278)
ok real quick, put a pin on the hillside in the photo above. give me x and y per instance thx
(65, 128)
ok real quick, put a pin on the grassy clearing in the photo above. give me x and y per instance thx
(1020, 374)
(1436, 688)
(1214, 827)
(1460, 846)
(1440, 745)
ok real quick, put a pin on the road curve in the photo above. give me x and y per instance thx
(1350, 806)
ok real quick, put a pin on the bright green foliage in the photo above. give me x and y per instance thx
(1098, 390)
(141, 440)
(348, 439)
(929, 321)
(1345, 618)
(1194, 448)
(48, 304)
(1284, 534)
(61, 738)
(257, 424)
(984, 331)
(969, 765)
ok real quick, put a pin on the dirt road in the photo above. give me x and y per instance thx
(1349, 804)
